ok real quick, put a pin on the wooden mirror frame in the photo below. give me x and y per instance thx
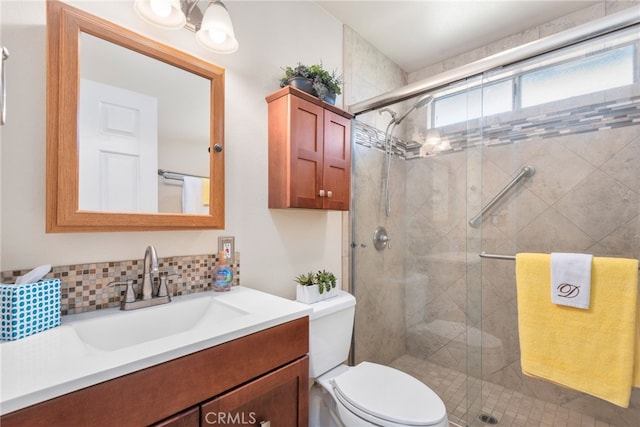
(64, 25)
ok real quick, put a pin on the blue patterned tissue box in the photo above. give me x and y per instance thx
(29, 308)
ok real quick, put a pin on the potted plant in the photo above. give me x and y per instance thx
(314, 287)
(313, 79)
(326, 84)
(298, 77)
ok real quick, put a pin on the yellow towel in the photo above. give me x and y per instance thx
(205, 191)
(595, 351)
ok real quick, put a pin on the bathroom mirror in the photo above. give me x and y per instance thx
(149, 146)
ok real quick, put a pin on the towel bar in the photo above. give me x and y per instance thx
(166, 174)
(500, 256)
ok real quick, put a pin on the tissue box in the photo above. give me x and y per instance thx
(29, 308)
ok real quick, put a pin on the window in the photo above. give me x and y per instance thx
(491, 99)
(542, 80)
(603, 71)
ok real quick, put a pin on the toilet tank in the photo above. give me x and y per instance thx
(330, 330)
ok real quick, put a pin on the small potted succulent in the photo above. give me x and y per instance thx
(313, 79)
(314, 287)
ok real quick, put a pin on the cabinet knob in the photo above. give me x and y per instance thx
(265, 423)
(321, 193)
(329, 194)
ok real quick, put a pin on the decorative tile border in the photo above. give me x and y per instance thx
(85, 287)
(504, 129)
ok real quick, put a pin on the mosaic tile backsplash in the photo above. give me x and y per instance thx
(85, 287)
(504, 129)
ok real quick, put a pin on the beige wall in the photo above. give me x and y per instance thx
(275, 245)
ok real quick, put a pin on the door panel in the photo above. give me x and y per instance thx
(117, 133)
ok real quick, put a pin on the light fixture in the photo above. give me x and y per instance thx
(216, 31)
(213, 28)
(165, 14)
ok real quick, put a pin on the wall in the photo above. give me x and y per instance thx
(379, 324)
(580, 17)
(271, 35)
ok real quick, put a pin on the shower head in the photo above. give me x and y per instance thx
(422, 102)
(388, 110)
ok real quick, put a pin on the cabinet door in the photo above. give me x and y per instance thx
(278, 399)
(336, 176)
(188, 418)
(306, 153)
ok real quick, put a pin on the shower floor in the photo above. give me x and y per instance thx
(510, 408)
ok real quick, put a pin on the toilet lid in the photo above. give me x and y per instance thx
(389, 394)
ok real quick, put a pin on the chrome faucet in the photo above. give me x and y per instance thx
(147, 298)
(150, 266)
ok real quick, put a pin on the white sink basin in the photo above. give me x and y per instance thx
(121, 329)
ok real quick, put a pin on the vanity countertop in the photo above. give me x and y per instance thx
(59, 361)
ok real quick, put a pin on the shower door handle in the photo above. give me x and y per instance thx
(4, 52)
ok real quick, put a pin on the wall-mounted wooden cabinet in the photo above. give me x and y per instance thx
(309, 152)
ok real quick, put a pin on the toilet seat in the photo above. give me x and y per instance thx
(388, 397)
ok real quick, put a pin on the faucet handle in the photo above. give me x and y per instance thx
(163, 289)
(129, 294)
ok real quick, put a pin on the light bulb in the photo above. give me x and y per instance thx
(160, 7)
(218, 36)
(161, 13)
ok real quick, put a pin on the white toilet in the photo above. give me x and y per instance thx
(364, 395)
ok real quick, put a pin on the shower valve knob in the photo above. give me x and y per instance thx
(381, 239)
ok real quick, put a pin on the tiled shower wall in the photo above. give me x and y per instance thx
(85, 287)
(377, 282)
(584, 197)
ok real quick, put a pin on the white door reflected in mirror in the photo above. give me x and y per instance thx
(118, 147)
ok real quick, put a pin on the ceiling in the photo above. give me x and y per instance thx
(415, 34)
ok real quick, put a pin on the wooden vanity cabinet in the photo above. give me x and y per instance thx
(309, 152)
(255, 379)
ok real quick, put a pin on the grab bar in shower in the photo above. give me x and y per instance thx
(500, 256)
(526, 171)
